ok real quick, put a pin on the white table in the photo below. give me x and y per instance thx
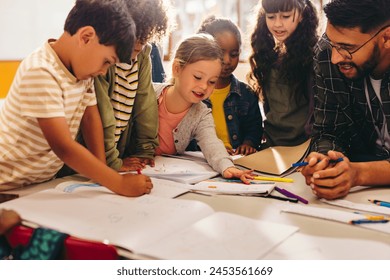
(316, 239)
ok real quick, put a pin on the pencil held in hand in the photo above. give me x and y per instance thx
(304, 163)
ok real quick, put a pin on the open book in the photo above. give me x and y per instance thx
(180, 170)
(153, 226)
(275, 160)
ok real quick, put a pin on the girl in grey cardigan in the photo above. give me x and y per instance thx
(182, 115)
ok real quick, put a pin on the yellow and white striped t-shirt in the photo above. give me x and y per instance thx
(43, 88)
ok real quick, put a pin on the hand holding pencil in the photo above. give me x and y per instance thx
(330, 176)
(304, 163)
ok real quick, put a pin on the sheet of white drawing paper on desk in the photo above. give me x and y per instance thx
(148, 220)
(179, 170)
(131, 225)
(161, 188)
(222, 236)
(334, 215)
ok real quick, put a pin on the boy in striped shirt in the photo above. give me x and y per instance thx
(52, 96)
(126, 98)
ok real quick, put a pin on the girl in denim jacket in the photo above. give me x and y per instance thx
(235, 107)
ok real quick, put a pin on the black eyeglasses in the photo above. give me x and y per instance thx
(348, 54)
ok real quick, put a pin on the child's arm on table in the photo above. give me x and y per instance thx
(233, 172)
(92, 131)
(57, 134)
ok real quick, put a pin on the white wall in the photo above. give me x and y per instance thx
(26, 24)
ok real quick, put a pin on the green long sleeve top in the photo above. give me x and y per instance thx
(140, 138)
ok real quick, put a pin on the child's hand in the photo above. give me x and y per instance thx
(245, 150)
(134, 185)
(8, 219)
(147, 161)
(233, 172)
(230, 151)
(131, 164)
(135, 163)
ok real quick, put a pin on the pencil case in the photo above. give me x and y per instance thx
(56, 245)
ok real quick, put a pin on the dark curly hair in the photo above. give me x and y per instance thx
(213, 26)
(150, 17)
(296, 63)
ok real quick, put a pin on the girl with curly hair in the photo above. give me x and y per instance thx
(282, 69)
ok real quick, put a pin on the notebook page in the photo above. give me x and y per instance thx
(334, 215)
(179, 170)
(219, 187)
(371, 208)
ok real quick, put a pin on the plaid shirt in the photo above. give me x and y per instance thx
(343, 120)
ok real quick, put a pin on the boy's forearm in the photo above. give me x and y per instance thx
(75, 155)
(92, 131)
(81, 160)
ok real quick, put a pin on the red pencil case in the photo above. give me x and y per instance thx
(73, 249)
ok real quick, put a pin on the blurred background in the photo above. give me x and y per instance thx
(26, 24)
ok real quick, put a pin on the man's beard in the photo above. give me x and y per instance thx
(368, 66)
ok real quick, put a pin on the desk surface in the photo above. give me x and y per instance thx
(316, 239)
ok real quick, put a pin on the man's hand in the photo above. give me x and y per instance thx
(329, 180)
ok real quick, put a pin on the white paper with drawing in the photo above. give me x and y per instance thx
(161, 188)
(180, 170)
(149, 222)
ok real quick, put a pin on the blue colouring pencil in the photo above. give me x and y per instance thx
(383, 203)
(380, 202)
(304, 163)
(368, 221)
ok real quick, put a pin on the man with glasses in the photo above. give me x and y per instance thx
(352, 102)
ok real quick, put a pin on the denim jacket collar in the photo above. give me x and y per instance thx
(235, 85)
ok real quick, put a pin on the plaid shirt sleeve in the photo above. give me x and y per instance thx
(333, 125)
